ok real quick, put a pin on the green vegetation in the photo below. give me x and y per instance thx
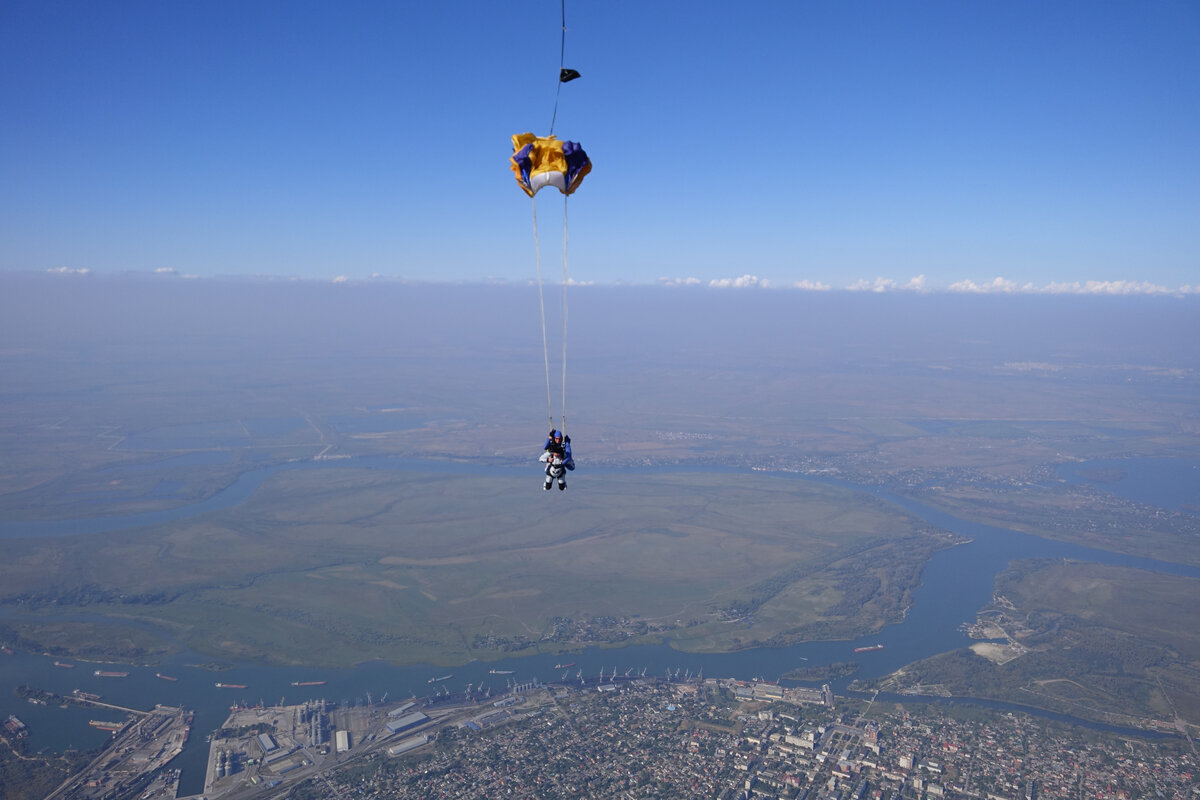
(1099, 642)
(95, 641)
(337, 566)
(31, 777)
(824, 672)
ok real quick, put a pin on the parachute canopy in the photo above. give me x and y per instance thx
(546, 161)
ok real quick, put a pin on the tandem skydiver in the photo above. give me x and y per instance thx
(556, 455)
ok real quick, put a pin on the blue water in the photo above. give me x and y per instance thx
(1170, 483)
(955, 584)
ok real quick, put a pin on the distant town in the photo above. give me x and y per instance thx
(633, 737)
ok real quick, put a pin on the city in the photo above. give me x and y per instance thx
(639, 737)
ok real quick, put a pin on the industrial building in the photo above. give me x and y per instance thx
(408, 744)
(266, 743)
(407, 721)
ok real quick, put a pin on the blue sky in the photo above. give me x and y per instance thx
(1002, 146)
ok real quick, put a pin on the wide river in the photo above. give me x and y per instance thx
(956, 583)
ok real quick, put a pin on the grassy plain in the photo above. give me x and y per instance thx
(1090, 640)
(339, 565)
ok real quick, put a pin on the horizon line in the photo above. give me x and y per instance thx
(917, 285)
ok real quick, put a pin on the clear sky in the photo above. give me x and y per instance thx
(850, 143)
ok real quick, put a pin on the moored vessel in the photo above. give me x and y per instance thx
(106, 726)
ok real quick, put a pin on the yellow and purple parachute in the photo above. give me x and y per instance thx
(541, 161)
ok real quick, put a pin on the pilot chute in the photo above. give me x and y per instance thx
(541, 161)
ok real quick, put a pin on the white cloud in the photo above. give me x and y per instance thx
(678, 281)
(916, 284)
(166, 271)
(877, 285)
(997, 284)
(68, 271)
(743, 282)
(1001, 285)
(341, 279)
(812, 286)
(573, 282)
(1107, 287)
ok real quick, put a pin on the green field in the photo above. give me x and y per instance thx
(340, 565)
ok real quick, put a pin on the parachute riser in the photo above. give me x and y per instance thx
(542, 310)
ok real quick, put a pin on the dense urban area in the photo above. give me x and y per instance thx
(645, 738)
(726, 739)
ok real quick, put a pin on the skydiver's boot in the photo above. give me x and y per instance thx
(546, 485)
(562, 485)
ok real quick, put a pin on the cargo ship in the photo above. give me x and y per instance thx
(308, 683)
(868, 649)
(500, 672)
(440, 678)
(564, 666)
(230, 685)
(106, 674)
(106, 726)
(64, 665)
(165, 677)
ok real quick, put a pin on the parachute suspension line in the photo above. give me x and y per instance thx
(562, 60)
(564, 319)
(542, 304)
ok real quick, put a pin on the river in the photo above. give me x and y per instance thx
(955, 584)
